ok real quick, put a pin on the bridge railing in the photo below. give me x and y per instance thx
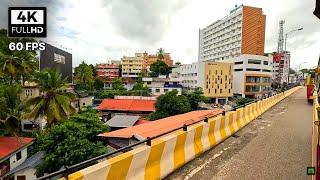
(155, 158)
(315, 138)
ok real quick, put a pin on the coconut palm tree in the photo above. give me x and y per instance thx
(10, 108)
(54, 104)
(10, 65)
(84, 76)
(160, 54)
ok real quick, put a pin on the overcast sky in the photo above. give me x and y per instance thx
(100, 30)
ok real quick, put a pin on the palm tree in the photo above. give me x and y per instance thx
(54, 104)
(10, 108)
(160, 54)
(10, 65)
(29, 64)
(83, 75)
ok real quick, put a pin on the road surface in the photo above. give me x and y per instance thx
(277, 145)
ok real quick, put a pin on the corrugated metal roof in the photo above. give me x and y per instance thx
(31, 162)
(122, 121)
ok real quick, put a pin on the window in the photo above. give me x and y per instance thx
(28, 92)
(238, 69)
(252, 69)
(239, 62)
(18, 155)
(157, 90)
(265, 62)
(166, 90)
(149, 82)
(253, 61)
(265, 70)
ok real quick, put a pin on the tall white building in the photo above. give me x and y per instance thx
(240, 32)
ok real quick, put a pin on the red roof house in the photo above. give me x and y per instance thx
(129, 105)
(9, 145)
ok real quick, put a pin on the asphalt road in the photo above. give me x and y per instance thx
(277, 145)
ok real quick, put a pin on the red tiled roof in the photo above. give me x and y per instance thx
(9, 145)
(161, 126)
(136, 105)
(141, 121)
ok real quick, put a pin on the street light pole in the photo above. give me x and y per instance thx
(285, 47)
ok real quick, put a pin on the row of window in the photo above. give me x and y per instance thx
(253, 69)
(220, 44)
(218, 26)
(257, 88)
(253, 79)
(218, 91)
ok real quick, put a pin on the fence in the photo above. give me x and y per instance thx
(157, 157)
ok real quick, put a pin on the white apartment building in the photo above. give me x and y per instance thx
(160, 85)
(188, 74)
(240, 32)
(252, 75)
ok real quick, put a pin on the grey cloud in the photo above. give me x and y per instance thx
(144, 21)
(298, 16)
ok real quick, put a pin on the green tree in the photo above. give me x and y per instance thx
(71, 142)
(117, 84)
(84, 76)
(195, 97)
(159, 68)
(170, 104)
(10, 108)
(240, 101)
(54, 104)
(98, 84)
(140, 90)
(16, 64)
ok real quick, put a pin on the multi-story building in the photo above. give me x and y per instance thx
(160, 85)
(215, 78)
(107, 71)
(240, 32)
(252, 75)
(188, 74)
(132, 66)
(281, 64)
(150, 59)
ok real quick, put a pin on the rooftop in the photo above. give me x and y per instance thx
(122, 121)
(9, 145)
(132, 105)
(161, 126)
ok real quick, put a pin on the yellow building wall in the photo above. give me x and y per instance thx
(218, 79)
(132, 64)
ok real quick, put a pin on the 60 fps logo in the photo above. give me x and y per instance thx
(27, 22)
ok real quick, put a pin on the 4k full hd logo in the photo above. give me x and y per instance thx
(27, 22)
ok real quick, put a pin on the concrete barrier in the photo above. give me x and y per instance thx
(169, 152)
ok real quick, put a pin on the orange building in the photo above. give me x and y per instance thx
(150, 59)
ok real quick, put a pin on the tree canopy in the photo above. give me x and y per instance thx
(159, 68)
(170, 104)
(71, 142)
(84, 78)
(195, 97)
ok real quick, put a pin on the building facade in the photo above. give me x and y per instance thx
(150, 59)
(218, 81)
(252, 75)
(240, 32)
(133, 66)
(108, 71)
(188, 75)
(56, 58)
(281, 64)
(161, 85)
